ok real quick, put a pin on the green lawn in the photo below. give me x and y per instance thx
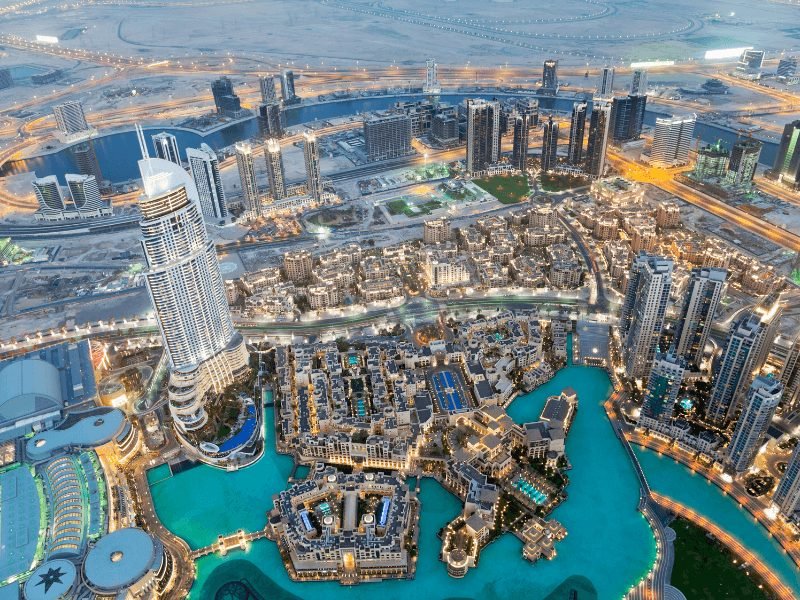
(508, 189)
(552, 182)
(704, 569)
(401, 207)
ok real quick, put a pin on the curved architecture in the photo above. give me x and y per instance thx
(88, 429)
(52, 580)
(30, 393)
(127, 563)
(188, 294)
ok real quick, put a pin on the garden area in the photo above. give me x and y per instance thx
(555, 182)
(704, 568)
(508, 189)
(403, 206)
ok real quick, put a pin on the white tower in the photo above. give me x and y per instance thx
(187, 291)
(166, 146)
(275, 172)
(85, 193)
(48, 194)
(204, 167)
(759, 408)
(431, 77)
(672, 140)
(247, 176)
(313, 175)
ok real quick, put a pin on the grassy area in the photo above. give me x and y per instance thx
(401, 207)
(705, 569)
(508, 189)
(554, 182)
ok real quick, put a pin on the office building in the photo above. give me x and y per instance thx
(763, 398)
(266, 83)
(166, 147)
(744, 162)
(550, 145)
(697, 314)
(245, 163)
(204, 167)
(663, 386)
(313, 174)
(298, 264)
(287, 87)
(550, 77)
(519, 154)
(638, 83)
(431, 78)
(606, 85)
(227, 103)
(787, 163)
(204, 351)
(627, 118)
(483, 134)
(271, 120)
(48, 195)
(790, 375)
(528, 106)
(736, 368)
(787, 494)
(85, 193)
(750, 62)
(642, 317)
(598, 138)
(672, 141)
(712, 162)
(577, 126)
(70, 118)
(444, 128)
(787, 67)
(6, 80)
(387, 136)
(275, 171)
(86, 161)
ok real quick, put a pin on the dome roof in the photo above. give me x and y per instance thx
(28, 387)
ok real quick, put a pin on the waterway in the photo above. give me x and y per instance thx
(118, 152)
(609, 547)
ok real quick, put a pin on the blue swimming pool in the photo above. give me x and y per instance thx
(530, 490)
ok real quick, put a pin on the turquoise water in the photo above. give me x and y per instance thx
(682, 485)
(530, 491)
(608, 541)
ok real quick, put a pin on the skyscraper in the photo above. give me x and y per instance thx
(763, 398)
(226, 101)
(48, 194)
(550, 77)
(744, 161)
(577, 127)
(672, 140)
(266, 84)
(204, 167)
(313, 175)
(550, 145)
(712, 161)
(287, 87)
(787, 163)
(70, 118)
(270, 120)
(750, 62)
(697, 314)
(737, 367)
(642, 317)
(483, 134)
(787, 494)
(627, 118)
(431, 77)
(606, 85)
(598, 137)
(166, 147)
(86, 161)
(787, 67)
(519, 154)
(85, 192)
(663, 386)
(275, 171)
(790, 374)
(183, 278)
(247, 175)
(639, 83)
(387, 136)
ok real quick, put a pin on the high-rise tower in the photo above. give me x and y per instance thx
(697, 314)
(663, 386)
(275, 172)
(787, 494)
(48, 194)
(313, 175)
(606, 85)
(166, 146)
(642, 317)
(744, 162)
(247, 176)
(204, 167)
(550, 145)
(70, 118)
(787, 163)
(577, 127)
(85, 193)
(483, 134)
(638, 83)
(763, 398)
(431, 77)
(672, 140)
(550, 77)
(205, 352)
(598, 137)
(266, 84)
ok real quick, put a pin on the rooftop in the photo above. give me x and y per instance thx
(119, 559)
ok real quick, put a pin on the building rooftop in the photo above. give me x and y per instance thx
(52, 580)
(119, 559)
(85, 430)
(20, 518)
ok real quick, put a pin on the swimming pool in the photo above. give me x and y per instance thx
(530, 490)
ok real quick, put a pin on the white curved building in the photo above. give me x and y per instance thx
(187, 291)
